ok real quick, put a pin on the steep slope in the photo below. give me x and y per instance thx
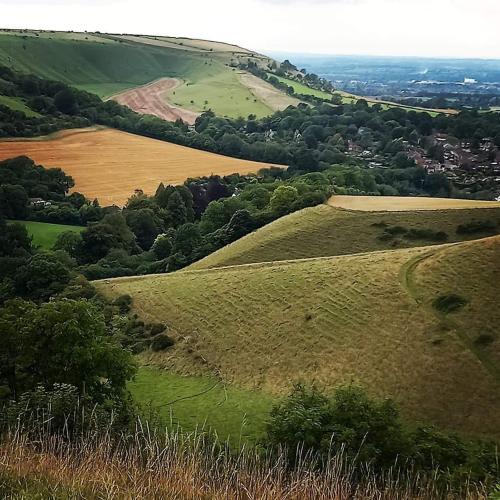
(337, 320)
(327, 231)
(109, 64)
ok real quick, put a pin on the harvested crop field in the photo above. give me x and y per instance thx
(403, 204)
(109, 165)
(151, 99)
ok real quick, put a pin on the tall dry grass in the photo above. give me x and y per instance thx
(149, 465)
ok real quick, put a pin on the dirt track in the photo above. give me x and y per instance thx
(151, 99)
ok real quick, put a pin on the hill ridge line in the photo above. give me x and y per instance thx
(281, 262)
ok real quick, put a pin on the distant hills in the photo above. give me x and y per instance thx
(108, 64)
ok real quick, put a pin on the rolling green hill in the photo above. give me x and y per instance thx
(325, 231)
(368, 318)
(107, 64)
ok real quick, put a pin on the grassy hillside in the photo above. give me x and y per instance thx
(17, 104)
(327, 231)
(337, 320)
(45, 235)
(108, 64)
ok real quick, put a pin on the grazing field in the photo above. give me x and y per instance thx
(202, 404)
(109, 165)
(151, 99)
(325, 231)
(17, 104)
(405, 203)
(218, 88)
(335, 320)
(45, 235)
(110, 64)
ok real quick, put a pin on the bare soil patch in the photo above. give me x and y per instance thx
(151, 99)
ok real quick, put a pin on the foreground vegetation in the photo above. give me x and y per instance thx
(171, 466)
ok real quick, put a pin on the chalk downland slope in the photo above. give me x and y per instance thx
(324, 231)
(109, 64)
(364, 318)
(110, 165)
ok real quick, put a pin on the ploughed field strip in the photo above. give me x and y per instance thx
(334, 320)
(110, 165)
(324, 231)
(151, 99)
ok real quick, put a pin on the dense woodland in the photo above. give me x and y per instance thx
(65, 347)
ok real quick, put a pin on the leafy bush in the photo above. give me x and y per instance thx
(485, 339)
(123, 302)
(426, 234)
(367, 430)
(161, 342)
(449, 303)
(157, 328)
(480, 226)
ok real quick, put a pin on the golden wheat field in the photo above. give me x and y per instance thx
(110, 165)
(403, 203)
(354, 318)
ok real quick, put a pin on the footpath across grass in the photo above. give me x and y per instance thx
(201, 403)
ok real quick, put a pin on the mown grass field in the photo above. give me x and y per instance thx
(335, 320)
(45, 235)
(405, 203)
(109, 64)
(17, 104)
(325, 231)
(110, 165)
(202, 404)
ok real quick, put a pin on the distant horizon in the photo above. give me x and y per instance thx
(266, 51)
(276, 53)
(448, 29)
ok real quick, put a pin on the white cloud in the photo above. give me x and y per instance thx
(401, 27)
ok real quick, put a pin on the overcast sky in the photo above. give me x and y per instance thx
(436, 28)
